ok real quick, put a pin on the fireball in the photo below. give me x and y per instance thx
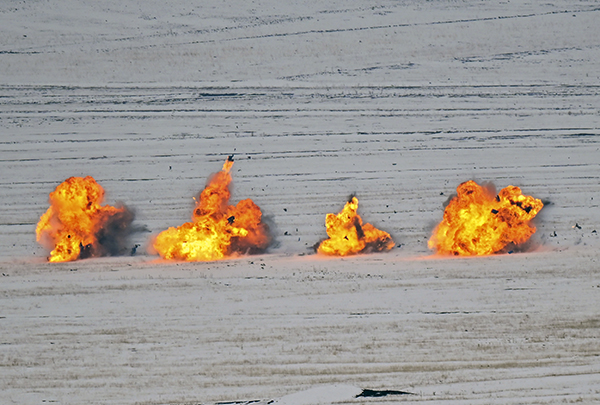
(76, 226)
(348, 235)
(217, 230)
(478, 222)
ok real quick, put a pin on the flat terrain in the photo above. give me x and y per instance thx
(511, 329)
(397, 103)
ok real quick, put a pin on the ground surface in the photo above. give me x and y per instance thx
(397, 102)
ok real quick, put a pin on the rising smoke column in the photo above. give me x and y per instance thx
(217, 230)
(76, 226)
(479, 222)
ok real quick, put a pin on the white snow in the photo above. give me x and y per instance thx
(325, 394)
(396, 101)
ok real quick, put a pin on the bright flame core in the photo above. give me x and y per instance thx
(348, 235)
(217, 229)
(70, 227)
(476, 222)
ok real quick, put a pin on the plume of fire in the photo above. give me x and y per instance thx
(348, 235)
(479, 222)
(76, 226)
(217, 230)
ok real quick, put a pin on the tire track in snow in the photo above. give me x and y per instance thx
(146, 143)
(373, 28)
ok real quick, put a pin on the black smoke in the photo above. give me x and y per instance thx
(114, 237)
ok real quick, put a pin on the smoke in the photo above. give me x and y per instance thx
(257, 241)
(114, 237)
(271, 229)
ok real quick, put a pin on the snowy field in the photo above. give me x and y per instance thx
(395, 101)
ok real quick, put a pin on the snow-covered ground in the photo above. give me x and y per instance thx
(397, 102)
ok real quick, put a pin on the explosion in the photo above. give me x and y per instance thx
(76, 226)
(478, 222)
(217, 229)
(348, 235)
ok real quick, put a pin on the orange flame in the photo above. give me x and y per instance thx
(348, 235)
(217, 229)
(75, 219)
(476, 222)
